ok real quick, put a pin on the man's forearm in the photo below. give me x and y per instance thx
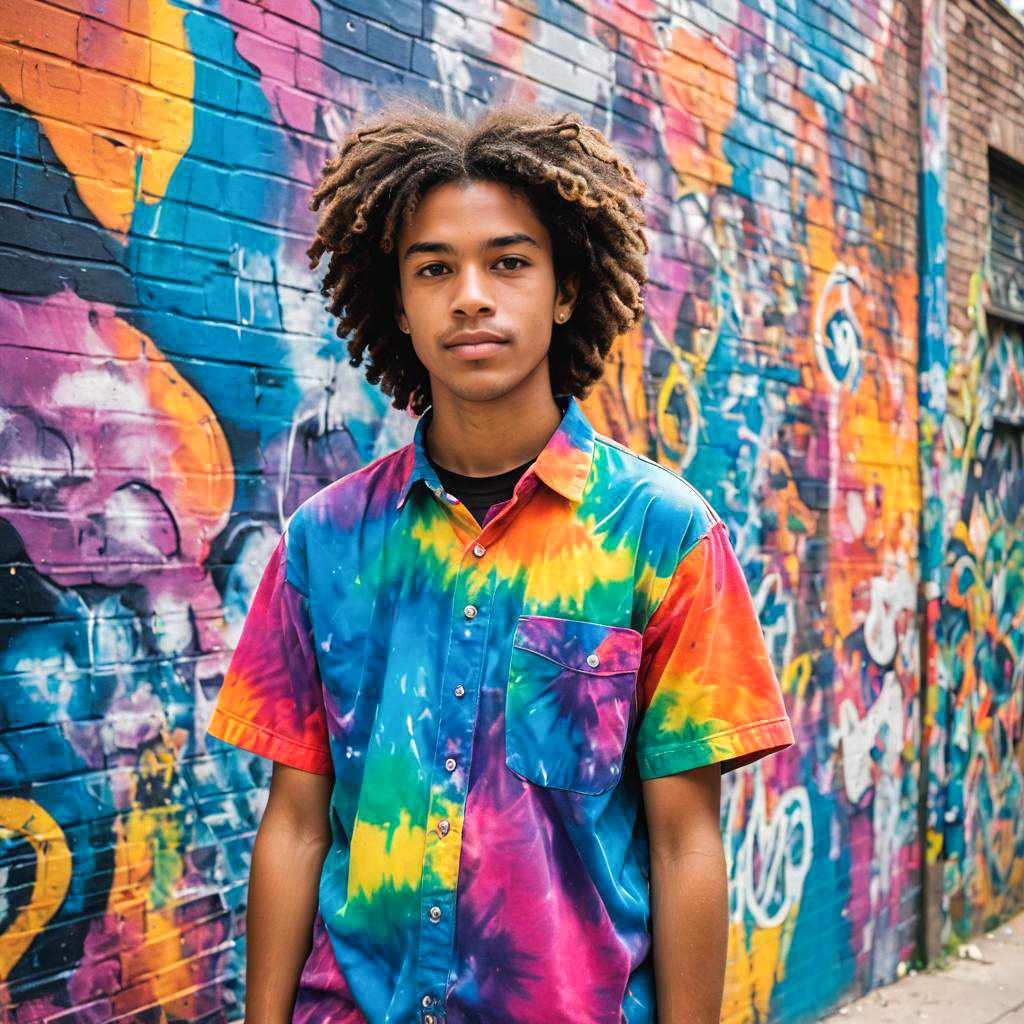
(283, 891)
(689, 906)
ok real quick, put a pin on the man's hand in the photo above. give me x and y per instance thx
(689, 901)
(284, 880)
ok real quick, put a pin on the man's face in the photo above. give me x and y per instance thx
(477, 290)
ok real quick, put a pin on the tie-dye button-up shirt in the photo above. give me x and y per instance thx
(489, 700)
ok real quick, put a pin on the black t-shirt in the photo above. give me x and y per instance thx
(479, 493)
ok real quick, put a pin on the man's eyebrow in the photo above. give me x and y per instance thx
(503, 241)
(430, 247)
(500, 242)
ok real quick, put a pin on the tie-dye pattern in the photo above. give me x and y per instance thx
(489, 701)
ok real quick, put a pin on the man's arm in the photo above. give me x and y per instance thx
(284, 879)
(689, 902)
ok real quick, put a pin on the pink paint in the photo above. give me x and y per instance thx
(281, 39)
(125, 472)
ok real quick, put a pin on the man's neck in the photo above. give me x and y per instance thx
(488, 438)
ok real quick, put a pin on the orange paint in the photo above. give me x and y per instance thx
(698, 86)
(115, 105)
(199, 476)
(617, 407)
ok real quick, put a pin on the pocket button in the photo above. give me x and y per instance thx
(593, 660)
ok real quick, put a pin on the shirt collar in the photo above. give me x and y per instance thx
(563, 464)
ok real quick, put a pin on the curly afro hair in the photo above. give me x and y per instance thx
(579, 187)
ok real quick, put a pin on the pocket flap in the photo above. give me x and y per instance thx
(580, 646)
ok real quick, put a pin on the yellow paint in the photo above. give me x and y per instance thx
(677, 448)
(147, 870)
(23, 819)
(796, 676)
(756, 964)
(119, 136)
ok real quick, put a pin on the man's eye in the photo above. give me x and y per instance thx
(430, 268)
(517, 260)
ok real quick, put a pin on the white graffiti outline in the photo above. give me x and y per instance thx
(856, 736)
(889, 597)
(774, 853)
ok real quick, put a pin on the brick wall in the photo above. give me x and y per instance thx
(986, 109)
(172, 388)
(983, 499)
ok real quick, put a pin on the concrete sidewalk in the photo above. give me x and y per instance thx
(969, 991)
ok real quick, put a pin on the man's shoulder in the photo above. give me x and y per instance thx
(365, 492)
(663, 491)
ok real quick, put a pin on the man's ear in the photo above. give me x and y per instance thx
(568, 293)
(400, 317)
(569, 289)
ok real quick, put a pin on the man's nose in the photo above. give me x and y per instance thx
(472, 295)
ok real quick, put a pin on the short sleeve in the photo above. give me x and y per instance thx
(271, 701)
(707, 689)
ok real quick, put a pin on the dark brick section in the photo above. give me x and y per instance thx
(986, 110)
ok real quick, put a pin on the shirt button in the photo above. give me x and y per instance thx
(428, 1018)
(450, 764)
(469, 611)
(478, 550)
(593, 660)
(460, 690)
(426, 1001)
(443, 827)
(435, 914)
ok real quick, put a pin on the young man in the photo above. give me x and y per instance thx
(501, 670)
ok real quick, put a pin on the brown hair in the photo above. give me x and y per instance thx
(580, 188)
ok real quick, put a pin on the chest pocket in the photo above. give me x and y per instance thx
(567, 706)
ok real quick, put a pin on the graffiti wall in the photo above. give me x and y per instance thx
(982, 628)
(172, 388)
(979, 837)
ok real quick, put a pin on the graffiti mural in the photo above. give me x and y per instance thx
(772, 343)
(983, 622)
(172, 388)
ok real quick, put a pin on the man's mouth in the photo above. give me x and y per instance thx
(475, 344)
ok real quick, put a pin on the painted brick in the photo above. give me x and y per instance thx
(985, 68)
(56, 34)
(390, 47)
(343, 27)
(404, 15)
(113, 50)
(781, 150)
(215, 86)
